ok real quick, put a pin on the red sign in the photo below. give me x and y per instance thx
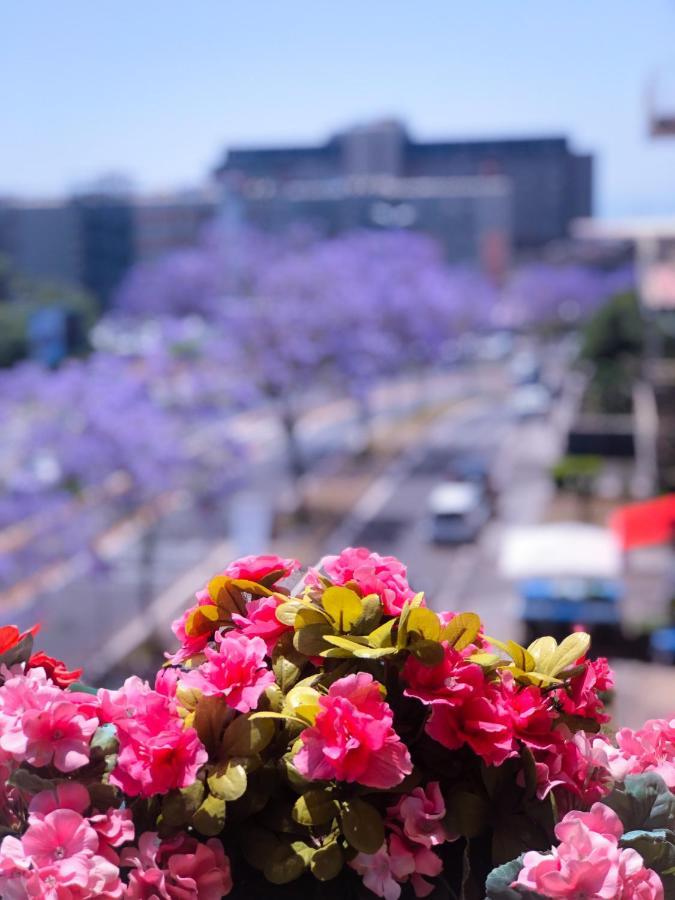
(642, 524)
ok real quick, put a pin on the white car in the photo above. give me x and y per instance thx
(458, 510)
(531, 401)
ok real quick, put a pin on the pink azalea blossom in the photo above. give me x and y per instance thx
(385, 576)
(114, 828)
(531, 712)
(452, 681)
(59, 734)
(353, 738)
(589, 863)
(482, 722)
(178, 869)
(581, 697)
(257, 568)
(261, 621)
(157, 753)
(421, 814)
(649, 749)
(236, 671)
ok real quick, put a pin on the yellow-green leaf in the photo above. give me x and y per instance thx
(381, 637)
(425, 623)
(310, 639)
(461, 630)
(343, 606)
(371, 614)
(315, 807)
(246, 736)
(355, 646)
(362, 825)
(284, 864)
(569, 651)
(209, 819)
(541, 650)
(484, 659)
(327, 861)
(428, 652)
(228, 783)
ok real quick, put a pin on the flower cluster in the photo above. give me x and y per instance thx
(589, 862)
(337, 728)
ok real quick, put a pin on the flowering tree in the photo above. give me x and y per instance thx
(337, 734)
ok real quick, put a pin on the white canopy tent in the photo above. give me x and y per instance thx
(560, 550)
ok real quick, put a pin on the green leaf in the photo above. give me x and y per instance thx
(179, 806)
(356, 647)
(257, 845)
(428, 652)
(209, 819)
(643, 802)
(461, 630)
(228, 782)
(284, 864)
(327, 861)
(31, 783)
(362, 825)
(468, 814)
(316, 807)
(381, 637)
(310, 639)
(499, 881)
(657, 847)
(343, 606)
(246, 736)
(211, 717)
(371, 615)
(286, 672)
(423, 623)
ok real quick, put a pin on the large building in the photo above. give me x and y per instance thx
(93, 239)
(548, 184)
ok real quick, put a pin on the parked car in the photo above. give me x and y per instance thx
(458, 510)
(531, 401)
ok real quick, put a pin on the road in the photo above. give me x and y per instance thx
(467, 577)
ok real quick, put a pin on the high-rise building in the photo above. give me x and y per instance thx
(549, 184)
(93, 239)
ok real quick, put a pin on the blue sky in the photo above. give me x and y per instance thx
(158, 88)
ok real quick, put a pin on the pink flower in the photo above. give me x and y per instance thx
(589, 863)
(452, 681)
(532, 716)
(200, 870)
(409, 860)
(57, 858)
(178, 869)
(581, 697)
(269, 569)
(394, 864)
(22, 693)
(59, 734)
(385, 576)
(376, 871)
(649, 749)
(235, 671)
(261, 621)
(353, 738)
(114, 828)
(67, 795)
(157, 753)
(421, 815)
(481, 722)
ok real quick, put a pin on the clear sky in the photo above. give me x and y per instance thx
(157, 89)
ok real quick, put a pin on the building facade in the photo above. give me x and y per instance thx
(92, 240)
(550, 185)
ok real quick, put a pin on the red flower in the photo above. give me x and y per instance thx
(55, 669)
(10, 636)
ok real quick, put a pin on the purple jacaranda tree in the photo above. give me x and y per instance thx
(93, 442)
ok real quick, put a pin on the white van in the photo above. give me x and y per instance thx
(458, 511)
